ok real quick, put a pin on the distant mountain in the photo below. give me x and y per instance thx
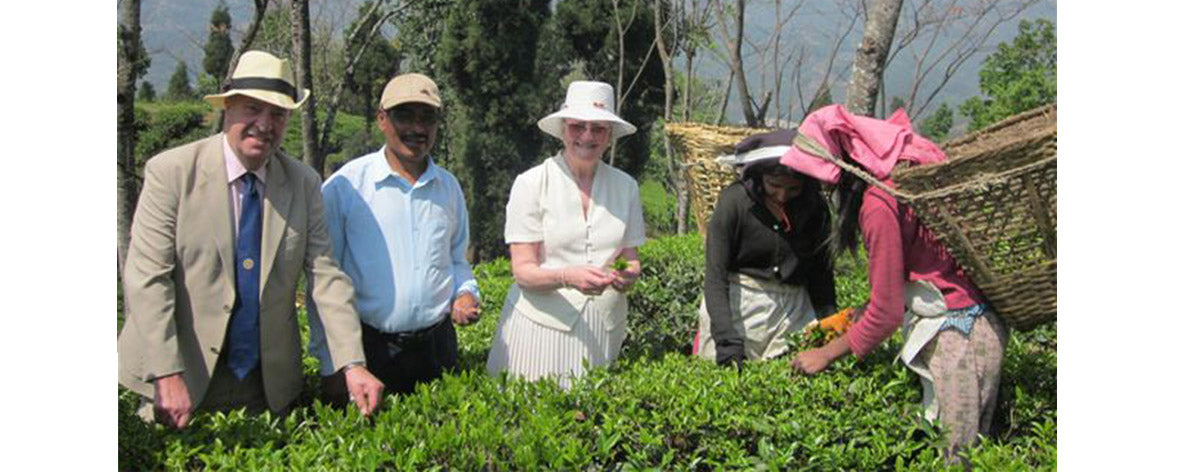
(176, 30)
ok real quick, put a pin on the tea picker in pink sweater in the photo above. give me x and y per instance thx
(953, 341)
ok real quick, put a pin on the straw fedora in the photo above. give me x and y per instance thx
(587, 101)
(262, 76)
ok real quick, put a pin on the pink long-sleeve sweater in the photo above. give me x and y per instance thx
(901, 249)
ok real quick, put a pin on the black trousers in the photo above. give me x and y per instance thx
(401, 360)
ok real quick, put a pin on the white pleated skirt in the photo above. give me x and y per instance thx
(531, 351)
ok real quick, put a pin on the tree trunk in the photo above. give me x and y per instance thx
(675, 172)
(247, 41)
(724, 99)
(128, 70)
(621, 31)
(301, 40)
(868, 68)
(362, 38)
(735, 60)
(686, 100)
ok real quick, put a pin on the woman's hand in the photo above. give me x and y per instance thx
(587, 279)
(814, 361)
(623, 279)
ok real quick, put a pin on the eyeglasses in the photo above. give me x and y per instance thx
(579, 127)
(407, 116)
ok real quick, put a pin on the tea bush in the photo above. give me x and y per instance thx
(656, 408)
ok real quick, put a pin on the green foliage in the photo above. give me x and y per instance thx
(654, 409)
(822, 98)
(343, 143)
(420, 34)
(207, 85)
(136, 52)
(275, 32)
(663, 304)
(895, 103)
(178, 85)
(492, 139)
(659, 208)
(166, 125)
(587, 39)
(219, 49)
(704, 91)
(147, 92)
(379, 63)
(1017, 77)
(938, 125)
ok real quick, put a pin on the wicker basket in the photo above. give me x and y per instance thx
(699, 145)
(993, 203)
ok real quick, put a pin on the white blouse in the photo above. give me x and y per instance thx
(546, 206)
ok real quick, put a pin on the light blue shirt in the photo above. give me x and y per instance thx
(404, 246)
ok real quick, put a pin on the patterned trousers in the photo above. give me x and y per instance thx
(966, 371)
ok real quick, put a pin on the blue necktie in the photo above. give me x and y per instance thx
(243, 324)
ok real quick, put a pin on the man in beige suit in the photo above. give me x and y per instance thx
(222, 230)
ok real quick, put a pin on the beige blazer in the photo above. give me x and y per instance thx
(178, 281)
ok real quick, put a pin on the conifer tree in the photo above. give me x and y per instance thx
(178, 85)
(219, 48)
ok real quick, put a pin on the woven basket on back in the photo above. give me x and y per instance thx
(699, 145)
(993, 203)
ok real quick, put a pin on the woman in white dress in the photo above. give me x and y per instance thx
(568, 220)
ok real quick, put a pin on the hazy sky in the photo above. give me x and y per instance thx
(177, 30)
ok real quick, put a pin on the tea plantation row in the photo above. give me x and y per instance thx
(656, 408)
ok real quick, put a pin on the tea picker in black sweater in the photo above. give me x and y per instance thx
(768, 269)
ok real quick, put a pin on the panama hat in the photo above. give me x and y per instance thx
(262, 76)
(410, 88)
(587, 101)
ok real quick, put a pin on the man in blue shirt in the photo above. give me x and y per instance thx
(399, 229)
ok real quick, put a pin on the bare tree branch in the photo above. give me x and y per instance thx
(247, 39)
(734, 44)
(953, 34)
(869, 64)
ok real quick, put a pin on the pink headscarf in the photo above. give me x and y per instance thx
(876, 144)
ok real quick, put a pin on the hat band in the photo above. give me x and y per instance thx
(263, 83)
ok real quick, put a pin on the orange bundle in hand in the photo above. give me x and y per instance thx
(820, 332)
(839, 322)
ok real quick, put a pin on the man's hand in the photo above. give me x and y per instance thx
(465, 310)
(363, 388)
(171, 401)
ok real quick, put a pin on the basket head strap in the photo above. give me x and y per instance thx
(813, 147)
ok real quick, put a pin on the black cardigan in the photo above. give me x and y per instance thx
(745, 237)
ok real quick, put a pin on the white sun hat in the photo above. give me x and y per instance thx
(587, 101)
(262, 76)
